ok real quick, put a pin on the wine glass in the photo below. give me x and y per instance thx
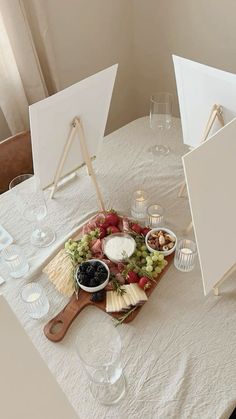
(98, 346)
(160, 118)
(31, 203)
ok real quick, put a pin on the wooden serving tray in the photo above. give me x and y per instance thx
(56, 328)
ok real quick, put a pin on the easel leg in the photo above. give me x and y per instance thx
(217, 286)
(182, 189)
(89, 163)
(63, 159)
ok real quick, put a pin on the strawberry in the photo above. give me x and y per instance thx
(112, 230)
(112, 219)
(145, 231)
(144, 283)
(137, 228)
(102, 232)
(132, 277)
(104, 225)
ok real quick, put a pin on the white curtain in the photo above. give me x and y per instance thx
(21, 77)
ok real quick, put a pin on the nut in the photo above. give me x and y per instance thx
(162, 240)
(165, 248)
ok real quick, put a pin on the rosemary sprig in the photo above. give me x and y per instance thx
(122, 318)
(117, 285)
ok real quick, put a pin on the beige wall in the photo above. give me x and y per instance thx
(89, 35)
(201, 30)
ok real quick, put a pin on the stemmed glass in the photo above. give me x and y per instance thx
(98, 346)
(160, 118)
(30, 201)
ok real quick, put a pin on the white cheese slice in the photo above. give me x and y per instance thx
(108, 301)
(115, 302)
(132, 295)
(126, 296)
(139, 292)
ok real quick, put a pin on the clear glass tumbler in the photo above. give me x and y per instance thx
(98, 346)
(15, 260)
(185, 255)
(155, 216)
(139, 204)
(31, 203)
(35, 300)
(161, 118)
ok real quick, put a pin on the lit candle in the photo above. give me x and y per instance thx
(33, 297)
(185, 255)
(139, 204)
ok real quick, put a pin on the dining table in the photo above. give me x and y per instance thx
(179, 353)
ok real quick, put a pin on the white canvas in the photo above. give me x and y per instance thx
(210, 177)
(199, 88)
(51, 118)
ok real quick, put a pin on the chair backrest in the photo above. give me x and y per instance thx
(15, 158)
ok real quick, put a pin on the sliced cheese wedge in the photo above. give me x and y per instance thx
(126, 296)
(115, 302)
(139, 293)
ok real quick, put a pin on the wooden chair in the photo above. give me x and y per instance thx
(15, 158)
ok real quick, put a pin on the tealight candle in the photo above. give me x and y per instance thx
(185, 255)
(35, 300)
(155, 216)
(139, 204)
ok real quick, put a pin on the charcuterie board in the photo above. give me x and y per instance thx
(56, 329)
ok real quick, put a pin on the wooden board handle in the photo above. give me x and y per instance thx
(56, 328)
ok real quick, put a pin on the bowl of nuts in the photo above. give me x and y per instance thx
(161, 239)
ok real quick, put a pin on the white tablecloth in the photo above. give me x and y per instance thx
(179, 354)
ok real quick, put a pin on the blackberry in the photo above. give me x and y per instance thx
(90, 271)
(102, 276)
(96, 265)
(93, 282)
(98, 296)
(83, 267)
(101, 268)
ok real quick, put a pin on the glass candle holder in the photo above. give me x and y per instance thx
(15, 260)
(155, 216)
(35, 300)
(185, 255)
(139, 204)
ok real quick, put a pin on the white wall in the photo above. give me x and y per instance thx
(201, 30)
(89, 35)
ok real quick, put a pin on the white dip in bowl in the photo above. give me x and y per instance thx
(118, 244)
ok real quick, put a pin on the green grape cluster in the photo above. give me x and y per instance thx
(79, 250)
(145, 263)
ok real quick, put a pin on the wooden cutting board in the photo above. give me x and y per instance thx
(56, 328)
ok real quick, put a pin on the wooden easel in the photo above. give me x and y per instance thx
(77, 127)
(228, 273)
(216, 113)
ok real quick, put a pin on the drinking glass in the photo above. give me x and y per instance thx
(155, 215)
(15, 261)
(98, 346)
(185, 255)
(160, 118)
(35, 299)
(31, 203)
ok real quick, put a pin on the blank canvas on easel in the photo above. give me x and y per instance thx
(51, 119)
(199, 88)
(210, 174)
